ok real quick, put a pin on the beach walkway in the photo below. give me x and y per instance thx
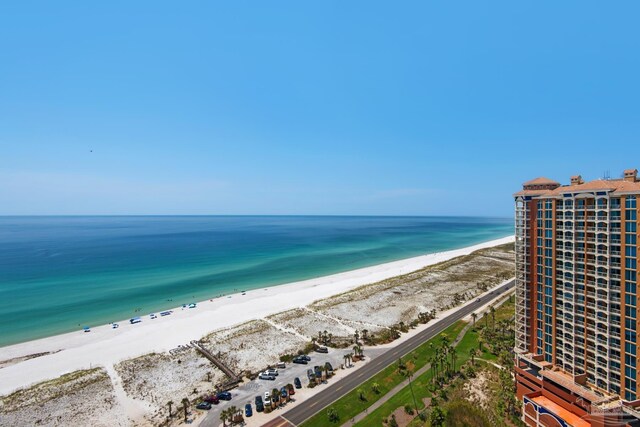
(206, 353)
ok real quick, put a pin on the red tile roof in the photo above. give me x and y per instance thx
(541, 180)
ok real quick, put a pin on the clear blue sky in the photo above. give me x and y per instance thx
(333, 107)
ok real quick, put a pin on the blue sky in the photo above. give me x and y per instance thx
(410, 108)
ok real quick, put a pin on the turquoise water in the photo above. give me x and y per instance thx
(60, 273)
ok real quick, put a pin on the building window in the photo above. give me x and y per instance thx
(630, 202)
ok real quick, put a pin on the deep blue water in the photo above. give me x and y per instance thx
(57, 273)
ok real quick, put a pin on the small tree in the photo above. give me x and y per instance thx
(472, 354)
(185, 405)
(375, 387)
(361, 395)
(474, 316)
(333, 415)
(437, 417)
(170, 404)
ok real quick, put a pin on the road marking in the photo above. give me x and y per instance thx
(339, 388)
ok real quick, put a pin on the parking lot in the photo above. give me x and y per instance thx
(247, 392)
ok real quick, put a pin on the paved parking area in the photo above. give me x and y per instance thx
(247, 392)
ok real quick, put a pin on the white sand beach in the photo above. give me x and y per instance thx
(106, 347)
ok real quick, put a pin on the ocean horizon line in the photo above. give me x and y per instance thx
(249, 216)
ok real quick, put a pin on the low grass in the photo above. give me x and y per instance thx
(351, 405)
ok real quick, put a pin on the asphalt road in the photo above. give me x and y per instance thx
(306, 409)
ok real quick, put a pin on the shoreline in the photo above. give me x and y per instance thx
(104, 346)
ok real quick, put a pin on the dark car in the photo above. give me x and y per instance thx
(300, 360)
(329, 366)
(305, 357)
(247, 410)
(310, 374)
(259, 404)
(212, 399)
(284, 393)
(224, 395)
(203, 405)
(317, 371)
(322, 350)
(297, 383)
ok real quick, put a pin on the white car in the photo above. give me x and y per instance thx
(273, 372)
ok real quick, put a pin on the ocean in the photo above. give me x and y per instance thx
(60, 273)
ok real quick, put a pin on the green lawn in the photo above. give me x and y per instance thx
(350, 405)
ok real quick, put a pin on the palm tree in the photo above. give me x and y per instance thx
(493, 316)
(445, 339)
(361, 394)
(365, 332)
(409, 374)
(169, 404)
(233, 411)
(356, 335)
(185, 405)
(454, 357)
(375, 387)
(275, 393)
(474, 316)
(224, 417)
(472, 354)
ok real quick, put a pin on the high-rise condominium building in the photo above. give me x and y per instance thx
(577, 301)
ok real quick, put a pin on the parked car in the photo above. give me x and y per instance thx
(291, 389)
(203, 405)
(247, 410)
(317, 371)
(297, 382)
(310, 374)
(266, 376)
(284, 393)
(259, 404)
(224, 395)
(300, 360)
(305, 357)
(281, 365)
(329, 367)
(273, 372)
(322, 350)
(212, 399)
